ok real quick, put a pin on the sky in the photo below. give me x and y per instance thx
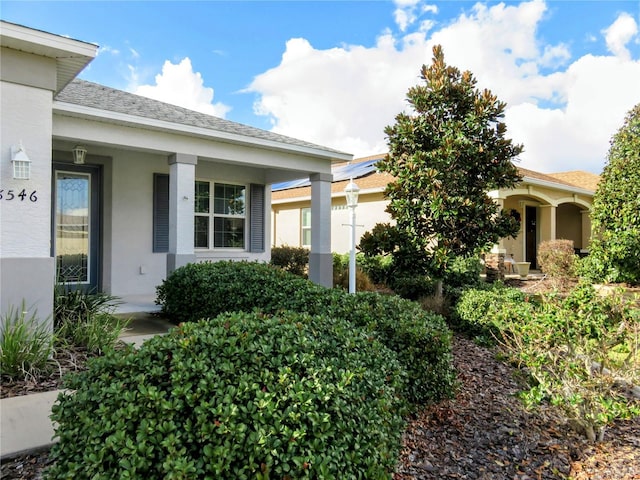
(336, 73)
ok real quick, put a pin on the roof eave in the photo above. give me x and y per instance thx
(557, 186)
(70, 109)
(338, 194)
(71, 56)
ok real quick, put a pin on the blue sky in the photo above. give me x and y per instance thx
(337, 72)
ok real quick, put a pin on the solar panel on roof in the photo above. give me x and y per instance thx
(343, 172)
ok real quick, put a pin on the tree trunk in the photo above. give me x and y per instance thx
(438, 293)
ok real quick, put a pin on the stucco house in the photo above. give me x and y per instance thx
(550, 206)
(107, 190)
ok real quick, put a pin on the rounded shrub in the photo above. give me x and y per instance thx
(557, 258)
(292, 259)
(200, 290)
(482, 312)
(421, 339)
(243, 395)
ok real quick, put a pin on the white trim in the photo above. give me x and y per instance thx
(307, 198)
(212, 216)
(557, 186)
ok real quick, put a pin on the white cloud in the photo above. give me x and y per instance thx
(563, 109)
(179, 85)
(619, 34)
(107, 49)
(405, 13)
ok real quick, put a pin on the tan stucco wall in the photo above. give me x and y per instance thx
(560, 214)
(286, 220)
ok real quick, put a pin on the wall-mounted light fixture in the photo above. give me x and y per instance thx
(79, 152)
(21, 163)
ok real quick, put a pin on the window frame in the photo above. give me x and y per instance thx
(211, 215)
(305, 228)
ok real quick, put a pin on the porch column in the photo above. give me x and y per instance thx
(182, 174)
(27, 267)
(586, 230)
(320, 257)
(547, 222)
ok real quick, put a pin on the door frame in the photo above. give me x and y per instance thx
(95, 222)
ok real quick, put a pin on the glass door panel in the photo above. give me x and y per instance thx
(72, 227)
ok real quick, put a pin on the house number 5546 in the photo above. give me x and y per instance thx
(22, 195)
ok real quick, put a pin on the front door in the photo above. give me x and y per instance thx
(531, 237)
(76, 194)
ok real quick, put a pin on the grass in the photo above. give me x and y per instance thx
(26, 344)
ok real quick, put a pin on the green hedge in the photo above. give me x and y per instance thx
(243, 395)
(482, 312)
(421, 339)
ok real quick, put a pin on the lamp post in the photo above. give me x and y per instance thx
(351, 193)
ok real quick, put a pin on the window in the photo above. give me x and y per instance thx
(230, 214)
(219, 218)
(306, 227)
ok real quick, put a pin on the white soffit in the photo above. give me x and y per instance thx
(71, 56)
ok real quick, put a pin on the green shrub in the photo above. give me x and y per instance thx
(421, 339)
(97, 333)
(291, 259)
(412, 287)
(576, 349)
(240, 396)
(76, 304)
(26, 344)
(462, 272)
(341, 274)
(483, 311)
(614, 254)
(377, 267)
(85, 319)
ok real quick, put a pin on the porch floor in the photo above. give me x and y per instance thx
(137, 304)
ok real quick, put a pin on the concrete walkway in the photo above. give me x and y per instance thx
(24, 421)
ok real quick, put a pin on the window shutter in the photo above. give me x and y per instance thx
(256, 218)
(160, 212)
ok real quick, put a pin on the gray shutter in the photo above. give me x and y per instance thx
(160, 212)
(256, 218)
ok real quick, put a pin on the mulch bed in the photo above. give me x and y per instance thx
(485, 433)
(67, 359)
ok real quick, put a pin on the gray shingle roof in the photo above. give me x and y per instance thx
(88, 94)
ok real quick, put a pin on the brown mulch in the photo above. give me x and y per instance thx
(67, 359)
(485, 433)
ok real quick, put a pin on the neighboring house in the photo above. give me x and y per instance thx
(550, 206)
(151, 187)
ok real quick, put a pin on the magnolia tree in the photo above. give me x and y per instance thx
(615, 249)
(446, 154)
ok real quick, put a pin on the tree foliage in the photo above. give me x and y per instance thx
(615, 250)
(446, 154)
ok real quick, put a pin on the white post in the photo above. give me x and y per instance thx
(352, 253)
(351, 193)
